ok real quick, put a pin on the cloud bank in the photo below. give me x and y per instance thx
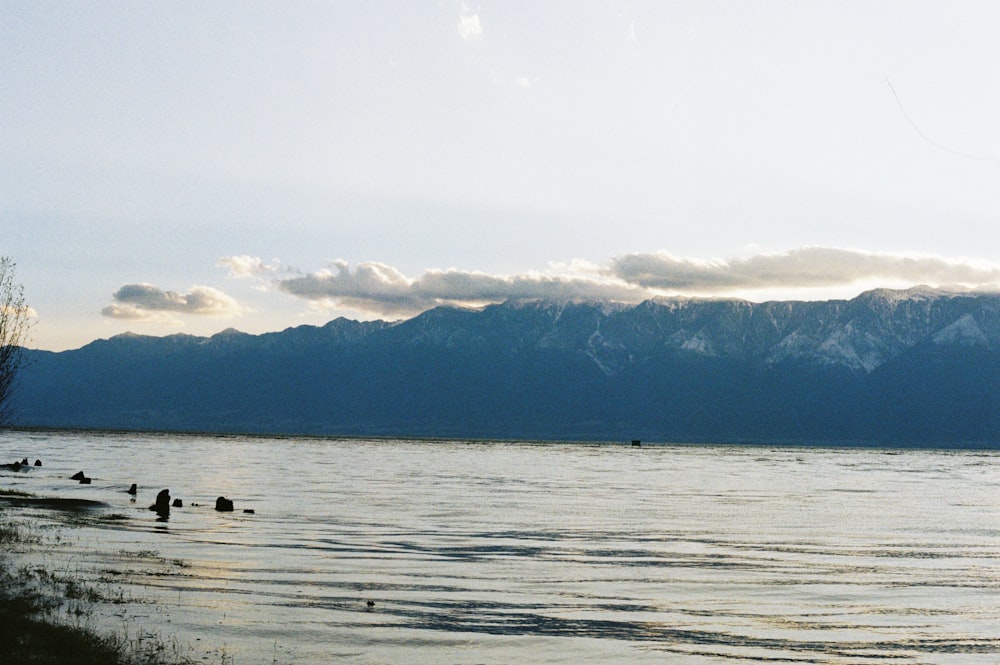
(380, 289)
(148, 303)
(805, 267)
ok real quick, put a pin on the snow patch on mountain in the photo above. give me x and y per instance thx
(966, 331)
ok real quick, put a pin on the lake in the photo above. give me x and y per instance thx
(400, 551)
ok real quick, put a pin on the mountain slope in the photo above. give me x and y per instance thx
(911, 367)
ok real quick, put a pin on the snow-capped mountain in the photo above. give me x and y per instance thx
(888, 366)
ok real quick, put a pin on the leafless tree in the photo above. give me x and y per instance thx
(15, 323)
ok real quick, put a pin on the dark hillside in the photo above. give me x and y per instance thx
(903, 368)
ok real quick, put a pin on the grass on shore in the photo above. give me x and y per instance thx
(32, 632)
(26, 636)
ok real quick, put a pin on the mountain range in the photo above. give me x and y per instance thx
(917, 367)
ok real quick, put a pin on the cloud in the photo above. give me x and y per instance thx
(470, 28)
(632, 38)
(148, 303)
(799, 268)
(248, 266)
(381, 289)
(24, 312)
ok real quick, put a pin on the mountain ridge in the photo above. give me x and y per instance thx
(668, 368)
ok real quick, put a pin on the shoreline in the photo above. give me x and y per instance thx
(625, 440)
(47, 616)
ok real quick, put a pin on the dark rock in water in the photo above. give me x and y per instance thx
(133, 489)
(38, 462)
(249, 511)
(224, 505)
(21, 465)
(162, 505)
(85, 481)
(77, 476)
(636, 442)
(178, 503)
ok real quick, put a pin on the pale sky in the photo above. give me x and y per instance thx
(186, 167)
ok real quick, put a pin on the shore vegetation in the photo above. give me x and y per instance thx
(45, 614)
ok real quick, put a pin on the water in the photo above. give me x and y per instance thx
(478, 552)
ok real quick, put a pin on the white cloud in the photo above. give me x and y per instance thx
(380, 289)
(148, 303)
(632, 39)
(242, 266)
(124, 312)
(470, 28)
(24, 312)
(798, 268)
(526, 82)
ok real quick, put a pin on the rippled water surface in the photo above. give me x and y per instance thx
(480, 552)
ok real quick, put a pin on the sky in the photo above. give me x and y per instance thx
(187, 167)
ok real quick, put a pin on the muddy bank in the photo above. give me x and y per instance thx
(18, 500)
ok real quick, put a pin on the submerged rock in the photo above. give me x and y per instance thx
(162, 505)
(79, 475)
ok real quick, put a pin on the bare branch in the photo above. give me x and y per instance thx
(14, 328)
